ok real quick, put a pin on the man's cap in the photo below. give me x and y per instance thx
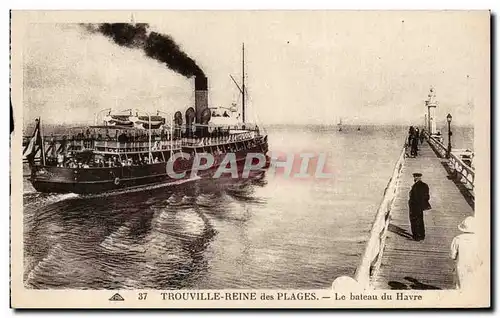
(417, 174)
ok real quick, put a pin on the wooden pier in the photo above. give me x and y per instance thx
(408, 264)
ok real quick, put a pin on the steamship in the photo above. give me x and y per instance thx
(131, 148)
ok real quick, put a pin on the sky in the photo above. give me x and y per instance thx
(309, 67)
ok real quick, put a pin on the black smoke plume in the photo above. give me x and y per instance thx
(155, 45)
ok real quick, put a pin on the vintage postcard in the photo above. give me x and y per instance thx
(250, 159)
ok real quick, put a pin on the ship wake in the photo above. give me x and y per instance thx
(38, 199)
(139, 188)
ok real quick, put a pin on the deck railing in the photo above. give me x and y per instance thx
(459, 168)
(55, 145)
(254, 131)
(214, 141)
(371, 258)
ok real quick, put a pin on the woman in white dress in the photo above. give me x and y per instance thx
(465, 252)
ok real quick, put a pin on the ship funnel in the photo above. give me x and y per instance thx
(201, 96)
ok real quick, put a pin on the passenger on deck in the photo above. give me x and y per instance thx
(122, 138)
(465, 252)
(72, 163)
(98, 163)
(60, 160)
(418, 203)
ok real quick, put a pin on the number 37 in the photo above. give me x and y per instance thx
(143, 296)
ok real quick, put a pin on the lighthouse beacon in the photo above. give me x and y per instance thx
(431, 104)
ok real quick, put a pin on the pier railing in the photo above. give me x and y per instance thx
(437, 145)
(373, 250)
(462, 171)
(460, 168)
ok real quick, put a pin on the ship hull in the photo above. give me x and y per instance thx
(101, 180)
(100, 187)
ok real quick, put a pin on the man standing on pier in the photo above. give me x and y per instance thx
(414, 143)
(418, 203)
(422, 136)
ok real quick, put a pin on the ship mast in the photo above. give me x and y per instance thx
(243, 84)
(242, 89)
(42, 145)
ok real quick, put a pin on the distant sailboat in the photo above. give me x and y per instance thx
(340, 124)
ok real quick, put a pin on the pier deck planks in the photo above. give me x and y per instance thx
(407, 264)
